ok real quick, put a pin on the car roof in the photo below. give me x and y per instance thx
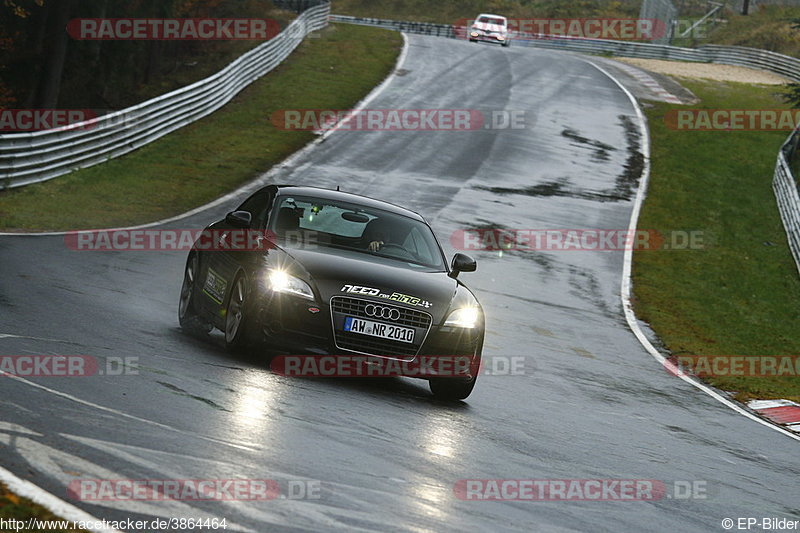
(491, 15)
(328, 194)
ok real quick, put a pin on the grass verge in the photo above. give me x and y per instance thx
(13, 507)
(768, 27)
(211, 157)
(738, 295)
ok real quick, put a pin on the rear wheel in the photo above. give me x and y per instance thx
(187, 316)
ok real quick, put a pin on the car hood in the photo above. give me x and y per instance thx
(485, 26)
(343, 273)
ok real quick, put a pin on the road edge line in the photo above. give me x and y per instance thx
(54, 504)
(625, 292)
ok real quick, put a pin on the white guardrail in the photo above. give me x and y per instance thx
(27, 158)
(784, 182)
(786, 192)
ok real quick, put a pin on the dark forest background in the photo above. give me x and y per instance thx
(41, 66)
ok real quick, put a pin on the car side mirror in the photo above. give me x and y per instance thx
(239, 219)
(462, 263)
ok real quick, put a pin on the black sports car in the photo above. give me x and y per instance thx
(333, 273)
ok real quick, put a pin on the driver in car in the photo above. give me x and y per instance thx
(381, 232)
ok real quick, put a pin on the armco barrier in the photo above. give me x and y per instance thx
(784, 182)
(786, 192)
(39, 156)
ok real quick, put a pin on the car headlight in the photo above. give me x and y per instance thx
(466, 317)
(280, 281)
(475, 33)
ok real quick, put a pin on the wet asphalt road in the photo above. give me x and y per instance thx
(592, 404)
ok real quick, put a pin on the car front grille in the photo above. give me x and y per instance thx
(356, 342)
(374, 345)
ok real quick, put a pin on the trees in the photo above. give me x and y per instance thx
(41, 66)
(57, 14)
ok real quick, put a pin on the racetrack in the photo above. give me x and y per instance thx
(592, 403)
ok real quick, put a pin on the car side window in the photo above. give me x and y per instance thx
(258, 206)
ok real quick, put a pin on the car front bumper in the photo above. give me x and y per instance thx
(488, 38)
(298, 327)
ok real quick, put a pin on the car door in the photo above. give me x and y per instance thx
(232, 253)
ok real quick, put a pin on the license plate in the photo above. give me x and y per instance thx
(377, 329)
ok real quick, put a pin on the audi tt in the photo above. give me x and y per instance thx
(305, 270)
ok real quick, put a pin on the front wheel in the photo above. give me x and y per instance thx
(237, 319)
(452, 389)
(187, 315)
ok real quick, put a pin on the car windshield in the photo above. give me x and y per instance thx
(332, 223)
(492, 20)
